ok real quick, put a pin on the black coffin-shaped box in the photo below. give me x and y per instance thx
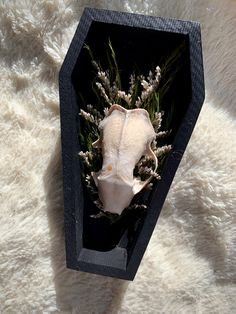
(96, 245)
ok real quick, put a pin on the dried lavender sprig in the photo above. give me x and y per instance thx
(105, 80)
(132, 81)
(154, 79)
(149, 86)
(144, 161)
(104, 77)
(86, 157)
(97, 114)
(148, 89)
(114, 91)
(87, 116)
(90, 184)
(103, 93)
(162, 150)
(162, 134)
(150, 172)
(157, 121)
(126, 97)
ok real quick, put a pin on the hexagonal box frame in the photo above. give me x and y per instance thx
(142, 40)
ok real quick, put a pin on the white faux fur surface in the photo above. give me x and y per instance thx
(190, 263)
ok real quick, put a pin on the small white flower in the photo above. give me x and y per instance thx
(162, 150)
(85, 157)
(104, 78)
(123, 95)
(87, 116)
(155, 175)
(106, 111)
(138, 102)
(161, 134)
(145, 84)
(158, 70)
(120, 94)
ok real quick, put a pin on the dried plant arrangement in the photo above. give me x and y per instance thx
(136, 114)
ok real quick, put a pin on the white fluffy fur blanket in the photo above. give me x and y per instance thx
(190, 263)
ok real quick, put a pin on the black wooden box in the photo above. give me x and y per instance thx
(142, 40)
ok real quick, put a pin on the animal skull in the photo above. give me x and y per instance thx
(126, 135)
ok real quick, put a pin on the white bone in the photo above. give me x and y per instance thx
(126, 136)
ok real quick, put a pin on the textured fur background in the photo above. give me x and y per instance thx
(190, 263)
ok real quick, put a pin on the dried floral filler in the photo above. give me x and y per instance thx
(127, 126)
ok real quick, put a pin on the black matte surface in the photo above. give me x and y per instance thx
(142, 40)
